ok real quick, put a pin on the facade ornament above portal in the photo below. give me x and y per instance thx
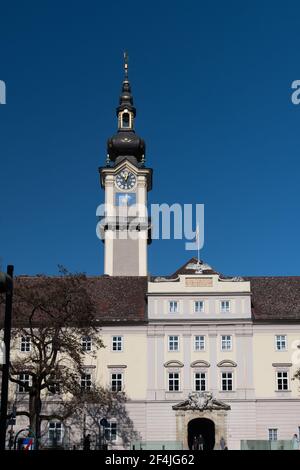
(200, 401)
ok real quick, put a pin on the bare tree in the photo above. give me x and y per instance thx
(52, 314)
(101, 403)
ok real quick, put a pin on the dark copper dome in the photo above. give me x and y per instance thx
(126, 143)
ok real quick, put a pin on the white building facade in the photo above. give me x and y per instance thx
(197, 353)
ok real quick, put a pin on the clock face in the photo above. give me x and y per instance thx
(125, 180)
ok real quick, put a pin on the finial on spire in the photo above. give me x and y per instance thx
(126, 64)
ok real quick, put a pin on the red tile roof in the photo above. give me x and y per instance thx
(275, 298)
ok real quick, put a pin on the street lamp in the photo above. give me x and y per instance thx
(6, 286)
(105, 424)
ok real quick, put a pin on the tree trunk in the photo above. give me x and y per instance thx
(35, 412)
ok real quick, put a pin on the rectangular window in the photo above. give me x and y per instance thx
(117, 343)
(111, 431)
(25, 344)
(226, 342)
(200, 381)
(173, 343)
(227, 383)
(25, 378)
(282, 380)
(116, 382)
(198, 306)
(199, 344)
(86, 343)
(86, 382)
(173, 381)
(54, 388)
(225, 306)
(173, 306)
(281, 343)
(272, 434)
(55, 432)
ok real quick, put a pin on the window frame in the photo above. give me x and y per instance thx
(173, 310)
(54, 388)
(84, 380)
(26, 343)
(276, 343)
(121, 120)
(227, 379)
(175, 380)
(61, 430)
(226, 310)
(108, 431)
(116, 380)
(231, 343)
(271, 433)
(120, 341)
(86, 343)
(202, 310)
(195, 342)
(173, 342)
(282, 371)
(201, 372)
(23, 380)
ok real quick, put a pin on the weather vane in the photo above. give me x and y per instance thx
(126, 64)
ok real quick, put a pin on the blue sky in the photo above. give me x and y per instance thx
(212, 87)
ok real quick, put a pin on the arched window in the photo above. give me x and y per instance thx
(125, 120)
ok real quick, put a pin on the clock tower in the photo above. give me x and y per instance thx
(126, 227)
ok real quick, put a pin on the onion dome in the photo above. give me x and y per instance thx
(126, 143)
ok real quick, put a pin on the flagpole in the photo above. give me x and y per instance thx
(198, 243)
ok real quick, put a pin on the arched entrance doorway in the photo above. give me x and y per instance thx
(204, 427)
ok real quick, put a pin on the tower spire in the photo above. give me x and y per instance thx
(125, 54)
(126, 143)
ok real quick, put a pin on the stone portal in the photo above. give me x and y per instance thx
(201, 414)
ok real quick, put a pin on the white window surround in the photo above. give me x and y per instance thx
(26, 378)
(226, 340)
(86, 381)
(25, 343)
(199, 340)
(121, 122)
(200, 378)
(199, 306)
(281, 340)
(117, 342)
(173, 343)
(117, 381)
(281, 379)
(111, 431)
(173, 306)
(225, 306)
(273, 434)
(173, 379)
(226, 371)
(86, 343)
(55, 431)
